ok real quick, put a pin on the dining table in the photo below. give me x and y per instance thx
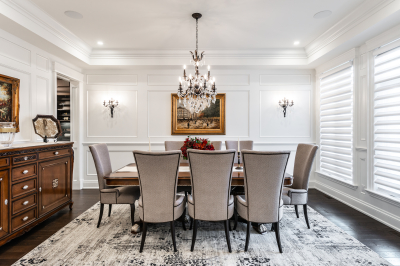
(128, 176)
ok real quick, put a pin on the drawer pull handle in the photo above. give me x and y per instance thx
(1, 228)
(25, 172)
(25, 218)
(25, 202)
(25, 187)
(26, 158)
(1, 179)
(56, 153)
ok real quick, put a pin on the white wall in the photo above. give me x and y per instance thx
(360, 194)
(36, 70)
(252, 110)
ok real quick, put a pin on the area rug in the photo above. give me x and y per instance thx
(81, 243)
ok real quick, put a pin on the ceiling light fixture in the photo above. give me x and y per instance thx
(73, 14)
(296, 43)
(200, 90)
(322, 14)
(100, 43)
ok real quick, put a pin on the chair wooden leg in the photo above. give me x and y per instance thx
(228, 240)
(235, 214)
(272, 227)
(182, 219)
(297, 211)
(191, 223)
(246, 247)
(306, 215)
(109, 209)
(144, 231)
(194, 234)
(101, 214)
(132, 214)
(278, 238)
(173, 235)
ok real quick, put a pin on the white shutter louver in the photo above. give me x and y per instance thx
(387, 123)
(336, 123)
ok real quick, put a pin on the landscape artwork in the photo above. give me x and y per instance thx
(5, 101)
(9, 100)
(210, 121)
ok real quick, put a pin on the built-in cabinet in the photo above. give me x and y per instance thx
(35, 182)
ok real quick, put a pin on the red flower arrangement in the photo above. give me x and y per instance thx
(196, 143)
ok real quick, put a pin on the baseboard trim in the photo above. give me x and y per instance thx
(360, 205)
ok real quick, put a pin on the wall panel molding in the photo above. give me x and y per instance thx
(285, 79)
(15, 52)
(42, 63)
(112, 79)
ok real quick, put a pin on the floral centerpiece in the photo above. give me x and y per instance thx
(196, 143)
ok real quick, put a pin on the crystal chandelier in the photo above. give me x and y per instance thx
(198, 91)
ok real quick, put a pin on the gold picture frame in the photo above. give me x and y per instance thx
(211, 121)
(9, 87)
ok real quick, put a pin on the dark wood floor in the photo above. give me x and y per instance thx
(380, 238)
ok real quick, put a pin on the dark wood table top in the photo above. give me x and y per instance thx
(130, 178)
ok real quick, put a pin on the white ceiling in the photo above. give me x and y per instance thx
(225, 25)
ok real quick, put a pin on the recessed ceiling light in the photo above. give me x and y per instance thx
(296, 43)
(323, 14)
(73, 14)
(100, 43)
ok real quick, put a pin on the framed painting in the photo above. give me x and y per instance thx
(9, 100)
(210, 121)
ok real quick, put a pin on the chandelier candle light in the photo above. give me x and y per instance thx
(111, 105)
(198, 91)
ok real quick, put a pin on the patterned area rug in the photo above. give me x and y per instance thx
(81, 243)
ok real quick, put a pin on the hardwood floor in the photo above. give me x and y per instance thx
(380, 238)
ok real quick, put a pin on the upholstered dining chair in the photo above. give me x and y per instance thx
(297, 194)
(211, 177)
(158, 179)
(217, 145)
(264, 174)
(233, 145)
(111, 195)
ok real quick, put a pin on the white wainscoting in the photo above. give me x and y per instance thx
(116, 80)
(284, 79)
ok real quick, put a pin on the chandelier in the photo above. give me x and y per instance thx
(197, 91)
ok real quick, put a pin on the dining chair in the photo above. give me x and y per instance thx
(297, 194)
(217, 145)
(211, 177)
(264, 174)
(158, 179)
(111, 195)
(233, 145)
(172, 145)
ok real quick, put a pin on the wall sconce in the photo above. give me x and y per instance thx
(285, 104)
(111, 105)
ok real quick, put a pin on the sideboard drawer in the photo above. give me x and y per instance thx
(4, 162)
(24, 203)
(23, 219)
(24, 158)
(53, 154)
(23, 188)
(24, 172)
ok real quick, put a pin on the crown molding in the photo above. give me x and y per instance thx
(33, 18)
(356, 17)
(343, 58)
(384, 38)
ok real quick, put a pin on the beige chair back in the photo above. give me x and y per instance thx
(264, 177)
(173, 145)
(158, 179)
(244, 145)
(303, 162)
(217, 145)
(102, 162)
(211, 176)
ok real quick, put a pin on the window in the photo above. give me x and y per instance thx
(387, 123)
(336, 123)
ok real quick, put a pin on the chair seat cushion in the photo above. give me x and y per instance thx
(231, 206)
(241, 207)
(292, 196)
(285, 196)
(119, 195)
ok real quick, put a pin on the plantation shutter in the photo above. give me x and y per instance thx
(336, 123)
(387, 122)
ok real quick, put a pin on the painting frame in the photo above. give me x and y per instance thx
(189, 131)
(15, 105)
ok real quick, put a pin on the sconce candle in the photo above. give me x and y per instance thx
(111, 105)
(285, 104)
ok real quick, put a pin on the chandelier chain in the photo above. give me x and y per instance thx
(197, 34)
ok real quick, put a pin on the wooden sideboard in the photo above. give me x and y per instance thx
(35, 183)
